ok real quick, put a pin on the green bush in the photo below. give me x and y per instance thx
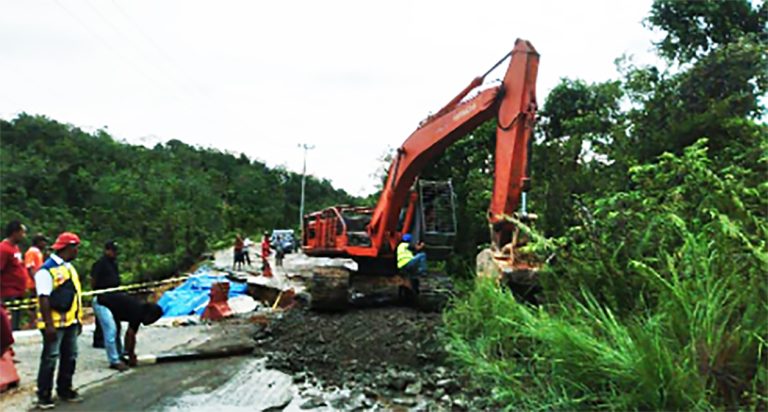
(658, 301)
(165, 205)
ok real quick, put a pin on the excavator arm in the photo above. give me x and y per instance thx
(369, 236)
(512, 103)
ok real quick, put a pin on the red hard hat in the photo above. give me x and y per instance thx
(65, 239)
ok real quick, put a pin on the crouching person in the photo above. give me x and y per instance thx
(119, 307)
(408, 263)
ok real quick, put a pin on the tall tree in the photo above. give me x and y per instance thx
(165, 205)
(578, 126)
(693, 28)
(720, 49)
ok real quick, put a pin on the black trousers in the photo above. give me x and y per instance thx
(98, 337)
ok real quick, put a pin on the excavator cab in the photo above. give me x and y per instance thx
(435, 218)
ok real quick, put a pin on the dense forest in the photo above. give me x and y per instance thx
(652, 192)
(164, 205)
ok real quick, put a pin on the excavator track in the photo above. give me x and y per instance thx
(435, 292)
(329, 288)
(337, 288)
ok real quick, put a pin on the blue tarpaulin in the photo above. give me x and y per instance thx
(193, 295)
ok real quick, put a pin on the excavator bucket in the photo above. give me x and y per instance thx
(522, 280)
(497, 266)
(512, 266)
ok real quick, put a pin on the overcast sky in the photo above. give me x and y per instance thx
(352, 78)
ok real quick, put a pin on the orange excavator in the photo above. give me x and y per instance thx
(369, 236)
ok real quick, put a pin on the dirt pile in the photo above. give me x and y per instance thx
(334, 344)
(391, 355)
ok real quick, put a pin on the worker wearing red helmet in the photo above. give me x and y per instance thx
(59, 318)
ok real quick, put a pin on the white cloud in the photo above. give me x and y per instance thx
(352, 78)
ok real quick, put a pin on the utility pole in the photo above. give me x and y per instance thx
(306, 147)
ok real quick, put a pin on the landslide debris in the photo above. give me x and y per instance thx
(392, 356)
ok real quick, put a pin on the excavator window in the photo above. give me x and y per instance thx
(435, 223)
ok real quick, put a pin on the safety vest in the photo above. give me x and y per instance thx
(404, 255)
(60, 274)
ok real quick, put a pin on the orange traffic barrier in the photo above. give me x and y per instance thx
(218, 308)
(9, 378)
(267, 272)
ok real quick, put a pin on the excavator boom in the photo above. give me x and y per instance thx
(369, 235)
(372, 234)
(513, 103)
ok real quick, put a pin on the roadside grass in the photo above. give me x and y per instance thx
(669, 314)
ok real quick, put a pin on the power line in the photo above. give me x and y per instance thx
(159, 49)
(138, 49)
(108, 45)
(181, 100)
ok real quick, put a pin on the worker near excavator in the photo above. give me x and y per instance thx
(408, 263)
(60, 319)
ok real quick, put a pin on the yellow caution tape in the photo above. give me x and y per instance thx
(28, 303)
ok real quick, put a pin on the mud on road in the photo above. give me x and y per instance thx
(336, 347)
(392, 355)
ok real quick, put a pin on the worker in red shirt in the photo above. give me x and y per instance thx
(13, 274)
(265, 251)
